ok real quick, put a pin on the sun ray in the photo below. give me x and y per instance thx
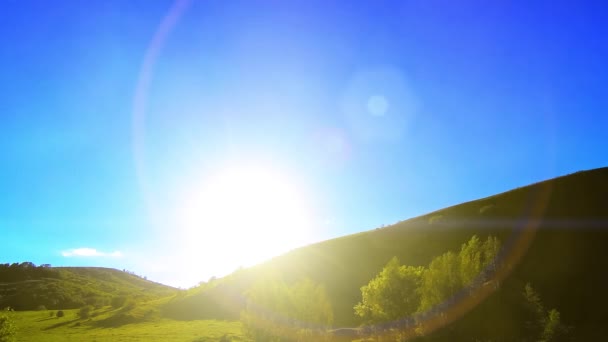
(242, 215)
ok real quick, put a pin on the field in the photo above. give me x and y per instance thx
(39, 326)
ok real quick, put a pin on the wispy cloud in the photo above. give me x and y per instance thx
(89, 252)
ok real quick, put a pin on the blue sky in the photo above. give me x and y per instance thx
(378, 111)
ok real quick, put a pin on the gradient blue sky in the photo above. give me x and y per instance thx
(381, 110)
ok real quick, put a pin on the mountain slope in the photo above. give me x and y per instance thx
(26, 286)
(555, 233)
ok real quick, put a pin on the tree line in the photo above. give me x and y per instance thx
(25, 271)
(396, 304)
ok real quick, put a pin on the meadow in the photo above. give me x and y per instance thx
(39, 326)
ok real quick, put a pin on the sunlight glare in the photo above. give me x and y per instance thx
(241, 216)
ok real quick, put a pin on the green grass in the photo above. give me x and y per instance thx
(38, 326)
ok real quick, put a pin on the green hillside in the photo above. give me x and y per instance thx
(25, 286)
(554, 233)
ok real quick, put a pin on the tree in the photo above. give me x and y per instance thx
(440, 281)
(392, 294)
(399, 292)
(310, 303)
(450, 272)
(534, 313)
(553, 326)
(7, 328)
(278, 312)
(540, 325)
(85, 312)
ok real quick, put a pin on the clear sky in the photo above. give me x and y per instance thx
(182, 141)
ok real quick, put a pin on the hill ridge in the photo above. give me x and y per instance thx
(550, 207)
(25, 286)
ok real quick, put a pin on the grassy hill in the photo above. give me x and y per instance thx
(555, 235)
(26, 286)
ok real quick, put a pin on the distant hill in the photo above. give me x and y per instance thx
(25, 286)
(555, 233)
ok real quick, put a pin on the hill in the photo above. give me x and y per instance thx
(554, 233)
(25, 286)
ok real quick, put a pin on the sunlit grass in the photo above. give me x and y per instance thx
(39, 326)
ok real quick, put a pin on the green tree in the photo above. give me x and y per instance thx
(534, 314)
(541, 325)
(85, 311)
(470, 263)
(451, 272)
(7, 328)
(278, 312)
(490, 250)
(310, 303)
(440, 281)
(553, 327)
(266, 306)
(392, 294)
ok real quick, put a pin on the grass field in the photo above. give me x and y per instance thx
(39, 326)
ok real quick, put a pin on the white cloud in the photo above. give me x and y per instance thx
(89, 252)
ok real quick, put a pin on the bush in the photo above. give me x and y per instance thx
(278, 312)
(85, 312)
(7, 328)
(392, 294)
(60, 313)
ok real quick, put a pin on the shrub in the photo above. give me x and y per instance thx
(60, 313)
(7, 329)
(275, 308)
(85, 312)
(393, 294)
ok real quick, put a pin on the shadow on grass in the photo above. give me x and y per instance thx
(116, 321)
(61, 324)
(46, 319)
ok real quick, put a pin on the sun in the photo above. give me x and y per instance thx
(242, 215)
